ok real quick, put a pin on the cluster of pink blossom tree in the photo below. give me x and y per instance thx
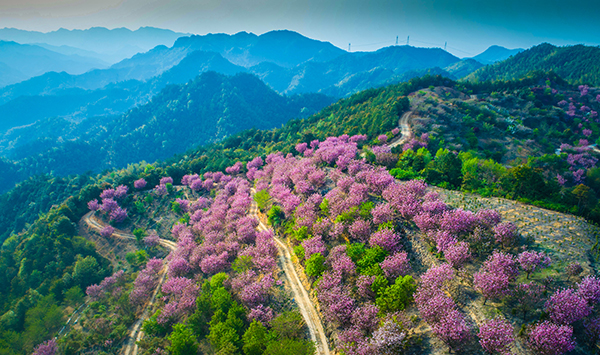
(343, 217)
(145, 282)
(49, 347)
(565, 308)
(220, 237)
(352, 200)
(332, 196)
(109, 205)
(140, 184)
(112, 285)
(439, 310)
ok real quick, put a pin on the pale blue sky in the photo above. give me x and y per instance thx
(469, 26)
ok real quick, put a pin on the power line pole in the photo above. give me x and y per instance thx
(396, 40)
(349, 44)
(407, 38)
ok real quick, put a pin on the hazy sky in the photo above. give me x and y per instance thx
(469, 26)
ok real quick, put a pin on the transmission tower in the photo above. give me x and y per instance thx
(396, 40)
(349, 44)
(407, 38)
(445, 44)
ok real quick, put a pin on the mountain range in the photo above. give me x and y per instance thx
(108, 45)
(84, 115)
(273, 57)
(20, 62)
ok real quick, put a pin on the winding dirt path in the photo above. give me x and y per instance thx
(301, 297)
(135, 334)
(405, 130)
(91, 220)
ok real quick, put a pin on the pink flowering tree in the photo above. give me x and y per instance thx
(494, 277)
(365, 318)
(107, 231)
(139, 184)
(531, 260)
(181, 294)
(505, 233)
(93, 205)
(433, 304)
(496, 336)
(453, 330)
(390, 338)
(589, 289)
(386, 239)
(396, 265)
(457, 254)
(146, 282)
(49, 347)
(528, 297)
(547, 338)
(151, 240)
(566, 306)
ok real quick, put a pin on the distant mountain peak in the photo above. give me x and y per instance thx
(283, 47)
(496, 53)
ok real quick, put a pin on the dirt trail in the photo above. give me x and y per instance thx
(405, 129)
(301, 297)
(135, 334)
(91, 220)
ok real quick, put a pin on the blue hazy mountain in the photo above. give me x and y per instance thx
(63, 98)
(353, 72)
(284, 48)
(206, 109)
(496, 54)
(240, 48)
(134, 81)
(68, 50)
(111, 45)
(23, 61)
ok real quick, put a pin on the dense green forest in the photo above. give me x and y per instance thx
(577, 64)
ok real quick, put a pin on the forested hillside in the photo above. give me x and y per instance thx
(577, 64)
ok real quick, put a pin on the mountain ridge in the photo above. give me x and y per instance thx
(112, 45)
(206, 109)
(28, 61)
(578, 64)
(340, 77)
